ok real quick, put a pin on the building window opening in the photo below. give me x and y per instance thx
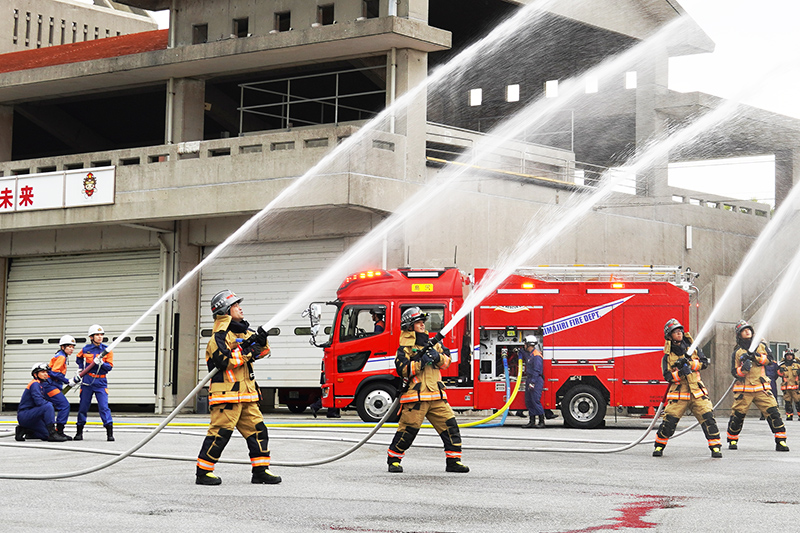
(370, 9)
(16, 25)
(512, 93)
(283, 21)
(96, 33)
(63, 31)
(551, 89)
(325, 14)
(240, 27)
(630, 80)
(51, 33)
(74, 32)
(85, 32)
(27, 29)
(475, 97)
(199, 33)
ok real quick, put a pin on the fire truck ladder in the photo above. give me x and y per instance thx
(673, 274)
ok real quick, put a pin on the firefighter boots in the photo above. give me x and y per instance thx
(658, 451)
(715, 452)
(79, 433)
(789, 416)
(395, 467)
(262, 475)
(207, 478)
(19, 433)
(540, 423)
(110, 432)
(454, 465)
(54, 436)
(733, 444)
(60, 430)
(780, 446)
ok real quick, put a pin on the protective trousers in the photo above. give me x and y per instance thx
(791, 400)
(61, 405)
(441, 417)
(533, 397)
(102, 405)
(701, 409)
(766, 403)
(247, 419)
(38, 419)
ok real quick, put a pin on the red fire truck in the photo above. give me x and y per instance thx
(600, 328)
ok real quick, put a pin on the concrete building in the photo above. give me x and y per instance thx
(187, 134)
(30, 24)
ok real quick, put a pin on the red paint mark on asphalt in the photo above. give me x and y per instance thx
(633, 514)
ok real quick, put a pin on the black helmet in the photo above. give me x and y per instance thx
(411, 315)
(671, 325)
(222, 302)
(377, 312)
(741, 326)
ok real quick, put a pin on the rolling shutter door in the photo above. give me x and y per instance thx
(268, 276)
(48, 297)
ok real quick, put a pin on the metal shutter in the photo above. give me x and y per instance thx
(268, 276)
(48, 297)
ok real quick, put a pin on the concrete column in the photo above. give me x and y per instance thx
(188, 110)
(787, 166)
(723, 341)
(411, 120)
(412, 9)
(651, 83)
(186, 307)
(6, 131)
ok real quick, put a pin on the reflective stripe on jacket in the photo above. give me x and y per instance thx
(683, 387)
(755, 379)
(790, 372)
(235, 382)
(424, 383)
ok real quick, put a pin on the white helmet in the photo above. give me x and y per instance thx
(531, 340)
(67, 339)
(94, 329)
(38, 367)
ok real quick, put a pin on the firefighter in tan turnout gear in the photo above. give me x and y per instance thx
(752, 386)
(418, 361)
(233, 395)
(789, 371)
(686, 390)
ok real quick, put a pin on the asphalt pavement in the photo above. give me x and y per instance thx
(510, 487)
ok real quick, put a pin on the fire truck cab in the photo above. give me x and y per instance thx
(600, 331)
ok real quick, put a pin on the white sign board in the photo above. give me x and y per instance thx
(55, 190)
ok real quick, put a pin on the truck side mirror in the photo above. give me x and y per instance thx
(314, 313)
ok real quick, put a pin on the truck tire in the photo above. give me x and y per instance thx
(374, 400)
(296, 408)
(583, 407)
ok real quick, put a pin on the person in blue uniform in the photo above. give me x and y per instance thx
(534, 381)
(36, 414)
(94, 383)
(58, 378)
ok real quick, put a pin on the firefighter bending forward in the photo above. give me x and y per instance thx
(752, 386)
(686, 391)
(233, 396)
(425, 396)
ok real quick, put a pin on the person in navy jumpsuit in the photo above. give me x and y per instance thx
(58, 378)
(534, 381)
(35, 414)
(94, 382)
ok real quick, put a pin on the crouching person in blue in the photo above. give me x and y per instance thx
(36, 414)
(94, 383)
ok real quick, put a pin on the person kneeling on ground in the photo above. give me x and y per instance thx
(36, 414)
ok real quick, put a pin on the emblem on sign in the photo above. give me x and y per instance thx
(89, 185)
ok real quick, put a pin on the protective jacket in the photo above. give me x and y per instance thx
(790, 372)
(752, 380)
(58, 369)
(534, 364)
(96, 378)
(424, 382)
(235, 382)
(684, 378)
(33, 396)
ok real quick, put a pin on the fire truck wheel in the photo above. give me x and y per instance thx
(295, 408)
(583, 407)
(374, 400)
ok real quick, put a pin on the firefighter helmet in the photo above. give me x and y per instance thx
(531, 340)
(377, 312)
(67, 339)
(222, 302)
(671, 325)
(788, 353)
(411, 315)
(741, 326)
(38, 367)
(96, 329)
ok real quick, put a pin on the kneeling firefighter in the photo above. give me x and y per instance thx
(234, 394)
(36, 414)
(686, 390)
(752, 386)
(418, 361)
